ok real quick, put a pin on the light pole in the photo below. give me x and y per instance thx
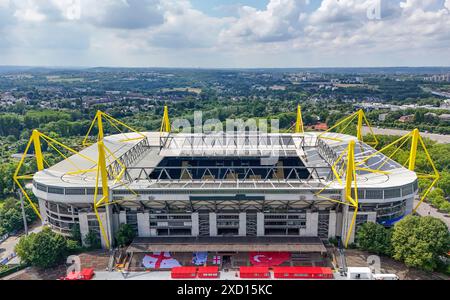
(22, 205)
(24, 215)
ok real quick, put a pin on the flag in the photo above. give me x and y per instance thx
(200, 258)
(160, 260)
(217, 260)
(269, 259)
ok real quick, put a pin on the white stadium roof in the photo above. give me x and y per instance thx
(303, 146)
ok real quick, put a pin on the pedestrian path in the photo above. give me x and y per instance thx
(426, 209)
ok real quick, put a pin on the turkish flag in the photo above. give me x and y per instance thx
(269, 259)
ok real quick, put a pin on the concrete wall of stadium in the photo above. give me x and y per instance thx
(308, 222)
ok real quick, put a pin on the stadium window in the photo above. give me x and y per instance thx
(392, 193)
(92, 191)
(41, 187)
(416, 185)
(54, 190)
(75, 191)
(374, 194)
(407, 190)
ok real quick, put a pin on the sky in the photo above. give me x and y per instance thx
(225, 33)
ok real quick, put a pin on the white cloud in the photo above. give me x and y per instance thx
(28, 11)
(284, 33)
(185, 27)
(123, 14)
(280, 21)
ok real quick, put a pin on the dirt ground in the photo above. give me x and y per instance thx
(97, 260)
(356, 258)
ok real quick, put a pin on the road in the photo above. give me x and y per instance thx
(439, 138)
(427, 210)
(7, 247)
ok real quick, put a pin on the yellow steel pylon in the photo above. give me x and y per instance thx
(35, 139)
(165, 124)
(345, 123)
(415, 137)
(350, 186)
(359, 133)
(299, 128)
(116, 124)
(416, 141)
(102, 174)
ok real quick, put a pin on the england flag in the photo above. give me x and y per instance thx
(160, 260)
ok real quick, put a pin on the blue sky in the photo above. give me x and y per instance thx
(223, 8)
(220, 33)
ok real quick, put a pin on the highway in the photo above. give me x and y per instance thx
(439, 138)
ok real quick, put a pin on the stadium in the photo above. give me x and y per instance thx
(224, 194)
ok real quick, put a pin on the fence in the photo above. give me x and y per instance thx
(4, 238)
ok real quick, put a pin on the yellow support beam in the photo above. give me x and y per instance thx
(352, 225)
(99, 119)
(351, 185)
(35, 140)
(417, 142)
(101, 134)
(38, 150)
(165, 125)
(345, 123)
(350, 173)
(413, 153)
(376, 142)
(359, 133)
(436, 176)
(102, 174)
(103, 170)
(85, 141)
(299, 126)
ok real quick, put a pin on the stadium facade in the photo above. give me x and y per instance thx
(225, 185)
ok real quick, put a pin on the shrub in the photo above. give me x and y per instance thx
(445, 207)
(92, 240)
(420, 242)
(75, 233)
(73, 247)
(125, 235)
(43, 250)
(334, 241)
(374, 238)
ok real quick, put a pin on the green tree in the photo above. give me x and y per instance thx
(43, 250)
(445, 207)
(444, 182)
(420, 242)
(374, 238)
(92, 240)
(75, 234)
(11, 215)
(125, 235)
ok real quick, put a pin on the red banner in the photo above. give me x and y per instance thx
(269, 259)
